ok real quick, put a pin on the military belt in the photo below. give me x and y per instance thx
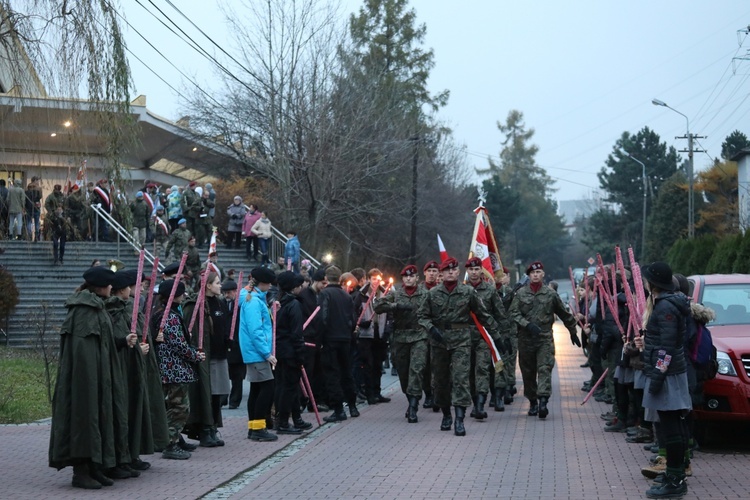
(456, 326)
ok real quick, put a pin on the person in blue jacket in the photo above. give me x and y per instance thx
(291, 251)
(256, 344)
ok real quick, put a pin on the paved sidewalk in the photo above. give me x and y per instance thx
(379, 455)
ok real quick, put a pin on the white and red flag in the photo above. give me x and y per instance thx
(443, 252)
(212, 245)
(484, 245)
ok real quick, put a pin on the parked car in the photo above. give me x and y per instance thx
(728, 395)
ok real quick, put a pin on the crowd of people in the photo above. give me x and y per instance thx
(455, 342)
(647, 372)
(165, 218)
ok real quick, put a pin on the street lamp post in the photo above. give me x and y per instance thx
(689, 137)
(645, 191)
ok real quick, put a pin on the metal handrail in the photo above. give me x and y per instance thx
(282, 239)
(129, 239)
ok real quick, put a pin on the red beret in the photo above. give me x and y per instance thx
(473, 262)
(75, 187)
(193, 184)
(151, 185)
(431, 265)
(409, 270)
(534, 266)
(103, 181)
(449, 263)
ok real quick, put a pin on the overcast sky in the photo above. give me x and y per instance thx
(581, 72)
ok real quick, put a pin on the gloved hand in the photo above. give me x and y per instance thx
(574, 337)
(365, 324)
(437, 335)
(533, 329)
(508, 345)
(656, 385)
(404, 307)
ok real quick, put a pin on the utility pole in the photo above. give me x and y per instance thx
(691, 202)
(414, 180)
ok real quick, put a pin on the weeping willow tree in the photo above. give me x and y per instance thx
(73, 50)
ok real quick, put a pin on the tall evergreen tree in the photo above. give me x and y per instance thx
(668, 221)
(736, 141)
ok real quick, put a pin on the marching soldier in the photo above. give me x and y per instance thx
(504, 385)
(533, 310)
(179, 240)
(431, 271)
(446, 315)
(160, 231)
(409, 339)
(193, 262)
(75, 206)
(481, 358)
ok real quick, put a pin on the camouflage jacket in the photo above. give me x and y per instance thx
(161, 233)
(75, 205)
(539, 308)
(193, 261)
(54, 200)
(406, 326)
(141, 214)
(450, 312)
(495, 307)
(178, 241)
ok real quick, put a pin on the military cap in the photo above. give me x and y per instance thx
(125, 278)
(158, 207)
(534, 266)
(192, 184)
(139, 194)
(228, 285)
(182, 221)
(473, 262)
(431, 265)
(449, 263)
(263, 275)
(75, 187)
(150, 185)
(172, 269)
(319, 275)
(409, 270)
(99, 276)
(165, 288)
(288, 280)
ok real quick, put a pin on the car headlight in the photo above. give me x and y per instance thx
(725, 364)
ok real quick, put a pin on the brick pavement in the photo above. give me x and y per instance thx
(379, 455)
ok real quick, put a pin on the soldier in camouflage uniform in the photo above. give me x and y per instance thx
(481, 358)
(533, 310)
(504, 383)
(431, 271)
(193, 263)
(75, 207)
(409, 340)
(445, 315)
(178, 241)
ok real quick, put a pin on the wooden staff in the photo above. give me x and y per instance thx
(634, 314)
(588, 396)
(200, 308)
(640, 293)
(137, 296)
(236, 308)
(150, 298)
(171, 293)
(201, 292)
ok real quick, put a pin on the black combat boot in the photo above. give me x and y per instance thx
(338, 415)
(481, 414)
(491, 403)
(215, 436)
(673, 486)
(543, 411)
(428, 401)
(411, 415)
(82, 478)
(459, 429)
(500, 399)
(509, 395)
(534, 410)
(447, 422)
(207, 439)
(474, 413)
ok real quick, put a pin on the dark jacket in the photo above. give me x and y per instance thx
(308, 302)
(234, 354)
(611, 336)
(336, 314)
(290, 346)
(665, 331)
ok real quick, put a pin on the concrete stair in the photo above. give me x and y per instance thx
(44, 287)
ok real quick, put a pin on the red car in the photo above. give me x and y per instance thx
(727, 397)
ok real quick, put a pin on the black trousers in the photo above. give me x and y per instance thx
(314, 369)
(673, 435)
(251, 247)
(372, 353)
(58, 246)
(260, 400)
(337, 366)
(286, 399)
(237, 373)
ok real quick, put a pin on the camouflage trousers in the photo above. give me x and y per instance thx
(410, 360)
(427, 378)
(451, 369)
(507, 377)
(536, 357)
(481, 362)
(159, 247)
(178, 408)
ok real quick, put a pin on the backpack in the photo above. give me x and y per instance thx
(703, 353)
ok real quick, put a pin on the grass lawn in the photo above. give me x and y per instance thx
(23, 390)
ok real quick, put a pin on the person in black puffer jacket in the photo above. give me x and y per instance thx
(290, 354)
(666, 390)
